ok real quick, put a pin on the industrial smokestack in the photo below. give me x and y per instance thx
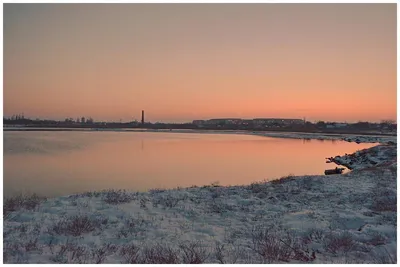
(142, 117)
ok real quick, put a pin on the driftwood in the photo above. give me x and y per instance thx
(334, 171)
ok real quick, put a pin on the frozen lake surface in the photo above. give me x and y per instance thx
(63, 163)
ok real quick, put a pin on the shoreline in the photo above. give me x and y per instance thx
(344, 218)
(360, 138)
(33, 128)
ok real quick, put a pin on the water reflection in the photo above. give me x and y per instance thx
(101, 160)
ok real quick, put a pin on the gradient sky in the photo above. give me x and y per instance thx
(181, 62)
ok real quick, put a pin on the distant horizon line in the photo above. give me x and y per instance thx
(214, 118)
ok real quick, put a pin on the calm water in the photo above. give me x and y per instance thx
(61, 163)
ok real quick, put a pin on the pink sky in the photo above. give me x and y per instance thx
(181, 62)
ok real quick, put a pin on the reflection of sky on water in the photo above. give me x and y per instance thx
(60, 163)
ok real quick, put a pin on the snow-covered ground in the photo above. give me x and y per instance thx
(348, 218)
(323, 136)
(293, 135)
(381, 155)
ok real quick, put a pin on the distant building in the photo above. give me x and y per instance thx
(294, 121)
(199, 122)
(246, 122)
(336, 125)
(223, 121)
(270, 121)
(89, 120)
(142, 117)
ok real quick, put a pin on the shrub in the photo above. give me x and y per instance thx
(218, 206)
(283, 179)
(116, 197)
(79, 254)
(75, 225)
(219, 253)
(31, 245)
(273, 245)
(377, 239)
(131, 254)
(87, 194)
(60, 257)
(343, 242)
(160, 254)
(132, 226)
(100, 254)
(70, 253)
(267, 244)
(227, 255)
(313, 235)
(167, 200)
(10, 251)
(260, 187)
(384, 200)
(18, 202)
(218, 192)
(193, 252)
(383, 256)
(308, 183)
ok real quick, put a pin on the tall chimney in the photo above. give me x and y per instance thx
(142, 117)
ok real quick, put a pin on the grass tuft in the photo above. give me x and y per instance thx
(116, 197)
(29, 202)
(193, 252)
(75, 225)
(283, 179)
(343, 242)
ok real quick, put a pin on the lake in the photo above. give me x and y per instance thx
(62, 163)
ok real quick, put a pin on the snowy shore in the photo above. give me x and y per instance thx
(383, 139)
(360, 138)
(293, 135)
(341, 137)
(348, 218)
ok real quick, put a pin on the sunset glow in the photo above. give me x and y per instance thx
(181, 62)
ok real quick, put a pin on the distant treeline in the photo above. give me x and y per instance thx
(388, 127)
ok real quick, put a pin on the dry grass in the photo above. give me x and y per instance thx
(193, 252)
(132, 227)
(18, 202)
(116, 197)
(76, 225)
(283, 179)
(343, 242)
(167, 200)
(131, 254)
(100, 254)
(187, 253)
(384, 256)
(277, 245)
(160, 254)
(384, 199)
